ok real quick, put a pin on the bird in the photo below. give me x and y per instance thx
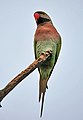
(46, 38)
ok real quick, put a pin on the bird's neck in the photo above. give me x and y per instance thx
(45, 23)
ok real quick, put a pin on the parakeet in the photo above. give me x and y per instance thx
(46, 38)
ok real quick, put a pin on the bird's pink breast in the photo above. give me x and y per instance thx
(45, 32)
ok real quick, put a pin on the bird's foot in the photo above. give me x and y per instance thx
(49, 51)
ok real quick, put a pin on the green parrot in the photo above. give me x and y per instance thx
(46, 38)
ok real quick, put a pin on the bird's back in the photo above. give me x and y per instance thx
(46, 39)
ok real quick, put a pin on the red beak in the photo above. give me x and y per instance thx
(36, 16)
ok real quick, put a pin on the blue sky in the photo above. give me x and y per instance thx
(64, 98)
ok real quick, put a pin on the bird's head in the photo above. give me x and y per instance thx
(41, 17)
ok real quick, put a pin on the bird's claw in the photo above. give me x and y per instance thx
(49, 51)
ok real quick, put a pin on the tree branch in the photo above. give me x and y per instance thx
(14, 82)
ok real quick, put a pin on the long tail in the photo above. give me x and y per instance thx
(42, 90)
(43, 95)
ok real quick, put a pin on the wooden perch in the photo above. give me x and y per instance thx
(14, 82)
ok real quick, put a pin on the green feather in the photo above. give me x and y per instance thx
(46, 68)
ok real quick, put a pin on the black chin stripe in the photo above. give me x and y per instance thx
(42, 20)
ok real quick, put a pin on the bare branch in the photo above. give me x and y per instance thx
(14, 82)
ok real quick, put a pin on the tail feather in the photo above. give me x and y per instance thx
(42, 87)
(42, 90)
(39, 96)
(43, 95)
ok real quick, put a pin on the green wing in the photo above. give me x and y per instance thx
(42, 46)
(57, 53)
